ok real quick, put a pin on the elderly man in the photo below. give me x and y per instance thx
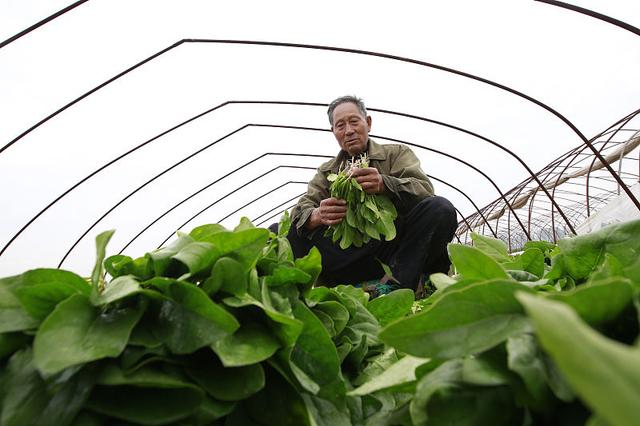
(425, 223)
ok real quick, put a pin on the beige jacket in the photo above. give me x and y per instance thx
(405, 182)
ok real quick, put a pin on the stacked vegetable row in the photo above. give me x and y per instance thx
(549, 336)
(219, 327)
(225, 328)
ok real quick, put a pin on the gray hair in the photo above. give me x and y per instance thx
(343, 100)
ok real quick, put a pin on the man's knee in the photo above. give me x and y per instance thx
(438, 209)
(434, 217)
(440, 203)
(274, 227)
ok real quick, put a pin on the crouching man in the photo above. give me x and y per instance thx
(425, 223)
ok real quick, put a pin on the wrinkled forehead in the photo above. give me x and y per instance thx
(346, 111)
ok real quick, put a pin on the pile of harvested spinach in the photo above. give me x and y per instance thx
(225, 327)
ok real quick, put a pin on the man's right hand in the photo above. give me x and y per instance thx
(330, 212)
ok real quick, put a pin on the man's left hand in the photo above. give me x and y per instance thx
(369, 179)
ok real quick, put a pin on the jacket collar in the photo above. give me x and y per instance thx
(374, 150)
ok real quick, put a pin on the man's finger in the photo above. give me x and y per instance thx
(333, 202)
(340, 207)
(334, 208)
(361, 171)
(363, 179)
(338, 213)
(332, 221)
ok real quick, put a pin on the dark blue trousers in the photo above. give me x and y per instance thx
(420, 247)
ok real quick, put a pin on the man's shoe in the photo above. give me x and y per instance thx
(377, 288)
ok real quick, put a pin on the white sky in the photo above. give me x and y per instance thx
(582, 67)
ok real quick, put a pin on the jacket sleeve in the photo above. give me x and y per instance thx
(406, 183)
(317, 190)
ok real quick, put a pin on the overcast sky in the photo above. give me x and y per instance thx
(585, 69)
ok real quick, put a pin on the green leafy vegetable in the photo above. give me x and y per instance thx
(609, 362)
(462, 322)
(473, 264)
(495, 248)
(581, 256)
(188, 319)
(31, 400)
(368, 215)
(392, 306)
(77, 332)
(226, 383)
(250, 344)
(159, 397)
(40, 290)
(101, 244)
(397, 374)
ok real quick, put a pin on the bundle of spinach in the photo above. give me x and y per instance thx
(368, 215)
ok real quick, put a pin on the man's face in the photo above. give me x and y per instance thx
(351, 128)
